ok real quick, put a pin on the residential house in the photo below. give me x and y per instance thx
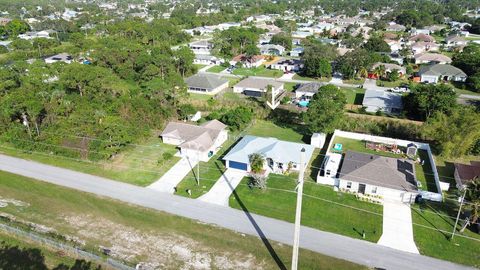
(420, 37)
(379, 100)
(393, 27)
(200, 142)
(271, 49)
(328, 174)
(390, 67)
(374, 175)
(201, 47)
(465, 173)
(280, 156)
(206, 84)
(441, 72)
(395, 45)
(248, 62)
(298, 37)
(297, 52)
(426, 58)
(207, 59)
(33, 35)
(287, 65)
(305, 91)
(416, 31)
(422, 46)
(255, 87)
(455, 42)
(62, 57)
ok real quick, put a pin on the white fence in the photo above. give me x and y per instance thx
(433, 196)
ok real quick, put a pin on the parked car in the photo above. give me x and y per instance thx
(400, 90)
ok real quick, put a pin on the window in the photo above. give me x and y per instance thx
(328, 172)
(349, 184)
(374, 190)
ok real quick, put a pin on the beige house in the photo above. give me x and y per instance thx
(200, 142)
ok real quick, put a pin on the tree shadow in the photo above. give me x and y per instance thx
(259, 231)
(285, 118)
(358, 99)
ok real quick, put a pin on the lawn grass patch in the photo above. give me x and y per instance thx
(139, 165)
(355, 81)
(433, 225)
(289, 86)
(354, 95)
(50, 205)
(394, 84)
(305, 78)
(216, 69)
(200, 97)
(264, 128)
(321, 207)
(199, 66)
(258, 71)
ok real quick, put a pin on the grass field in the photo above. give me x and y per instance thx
(320, 208)
(289, 86)
(199, 66)
(391, 84)
(216, 69)
(354, 81)
(432, 230)
(140, 234)
(304, 78)
(268, 129)
(139, 165)
(354, 95)
(201, 97)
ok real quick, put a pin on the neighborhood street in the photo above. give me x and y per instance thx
(338, 246)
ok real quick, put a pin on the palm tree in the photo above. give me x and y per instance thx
(379, 71)
(473, 197)
(256, 162)
(363, 73)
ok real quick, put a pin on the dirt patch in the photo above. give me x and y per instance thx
(156, 250)
(4, 202)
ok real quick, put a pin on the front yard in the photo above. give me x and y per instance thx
(323, 208)
(264, 128)
(354, 95)
(259, 71)
(216, 69)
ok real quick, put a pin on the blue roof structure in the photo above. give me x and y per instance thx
(279, 151)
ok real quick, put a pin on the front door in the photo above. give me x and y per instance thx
(361, 188)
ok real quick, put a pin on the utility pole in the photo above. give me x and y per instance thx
(458, 214)
(298, 213)
(198, 169)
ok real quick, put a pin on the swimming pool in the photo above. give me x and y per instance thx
(303, 103)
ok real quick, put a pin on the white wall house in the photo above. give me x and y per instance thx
(200, 142)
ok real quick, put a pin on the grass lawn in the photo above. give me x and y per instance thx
(354, 95)
(139, 165)
(216, 69)
(304, 78)
(422, 172)
(388, 84)
(354, 81)
(268, 129)
(434, 241)
(321, 209)
(201, 97)
(259, 71)
(210, 172)
(289, 86)
(140, 234)
(199, 66)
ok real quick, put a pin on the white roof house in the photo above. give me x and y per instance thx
(379, 100)
(279, 155)
(272, 49)
(61, 57)
(328, 172)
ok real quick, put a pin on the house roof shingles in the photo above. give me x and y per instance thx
(398, 174)
(205, 81)
(467, 172)
(194, 137)
(442, 70)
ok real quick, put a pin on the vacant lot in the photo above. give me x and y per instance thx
(137, 234)
(263, 128)
(140, 164)
(260, 71)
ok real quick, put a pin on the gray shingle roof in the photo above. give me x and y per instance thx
(380, 171)
(442, 70)
(309, 87)
(382, 99)
(194, 137)
(258, 83)
(205, 81)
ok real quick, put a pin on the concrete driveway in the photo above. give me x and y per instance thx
(397, 227)
(370, 84)
(175, 175)
(223, 188)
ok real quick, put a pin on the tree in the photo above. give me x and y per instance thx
(352, 62)
(393, 75)
(424, 100)
(16, 27)
(317, 67)
(257, 162)
(377, 44)
(317, 58)
(473, 197)
(184, 60)
(326, 110)
(282, 39)
(455, 134)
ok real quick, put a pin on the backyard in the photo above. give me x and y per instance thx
(139, 234)
(353, 95)
(423, 172)
(140, 164)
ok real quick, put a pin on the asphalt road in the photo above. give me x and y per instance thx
(334, 245)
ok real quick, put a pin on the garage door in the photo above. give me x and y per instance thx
(252, 93)
(237, 165)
